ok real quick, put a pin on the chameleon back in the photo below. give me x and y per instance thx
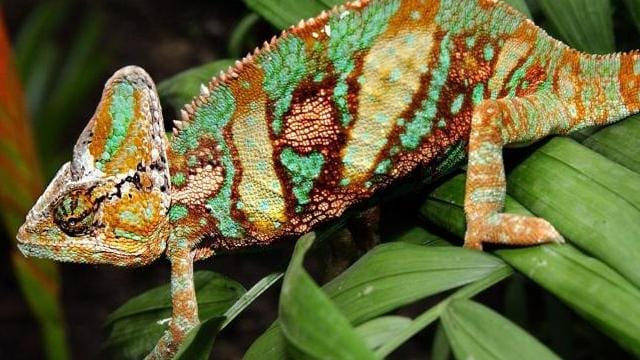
(339, 107)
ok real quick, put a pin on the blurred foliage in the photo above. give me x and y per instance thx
(54, 83)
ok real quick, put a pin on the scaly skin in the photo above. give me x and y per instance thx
(324, 116)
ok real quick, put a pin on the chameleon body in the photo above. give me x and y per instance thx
(320, 118)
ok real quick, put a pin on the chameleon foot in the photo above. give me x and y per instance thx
(510, 229)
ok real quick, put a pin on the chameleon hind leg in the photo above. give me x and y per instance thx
(496, 123)
(184, 316)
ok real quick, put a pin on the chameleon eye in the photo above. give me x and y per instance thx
(74, 213)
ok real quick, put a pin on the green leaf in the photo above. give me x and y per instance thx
(136, 326)
(199, 341)
(377, 331)
(182, 87)
(592, 201)
(310, 321)
(248, 297)
(379, 283)
(441, 350)
(284, 13)
(477, 332)
(431, 315)
(619, 142)
(586, 25)
(587, 285)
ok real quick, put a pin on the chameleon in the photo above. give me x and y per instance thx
(319, 119)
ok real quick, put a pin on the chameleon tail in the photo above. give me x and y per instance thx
(600, 89)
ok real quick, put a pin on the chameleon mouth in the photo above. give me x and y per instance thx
(78, 251)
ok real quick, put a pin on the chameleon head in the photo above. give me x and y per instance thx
(110, 203)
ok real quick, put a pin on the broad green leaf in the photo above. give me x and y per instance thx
(521, 6)
(619, 142)
(431, 315)
(183, 87)
(136, 326)
(586, 25)
(477, 332)
(592, 201)
(377, 331)
(284, 13)
(587, 285)
(440, 350)
(309, 319)
(379, 283)
(199, 341)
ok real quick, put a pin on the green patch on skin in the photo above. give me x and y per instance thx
(518, 75)
(303, 170)
(421, 123)
(350, 33)
(319, 76)
(478, 94)
(383, 167)
(192, 161)
(457, 103)
(121, 111)
(345, 182)
(470, 41)
(128, 216)
(178, 212)
(127, 235)
(284, 68)
(488, 52)
(209, 120)
(178, 179)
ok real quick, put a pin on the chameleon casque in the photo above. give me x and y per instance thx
(317, 120)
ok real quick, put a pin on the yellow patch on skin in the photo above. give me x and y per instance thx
(386, 92)
(510, 55)
(261, 195)
(102, 128)
(135, 212)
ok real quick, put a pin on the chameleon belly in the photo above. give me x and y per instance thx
(338, 108)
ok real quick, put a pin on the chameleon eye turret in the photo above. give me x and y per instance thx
(74, 213)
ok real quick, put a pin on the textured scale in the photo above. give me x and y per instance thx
(317, 120)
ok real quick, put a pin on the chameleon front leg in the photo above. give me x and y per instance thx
(496, 123)
(184, 315)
